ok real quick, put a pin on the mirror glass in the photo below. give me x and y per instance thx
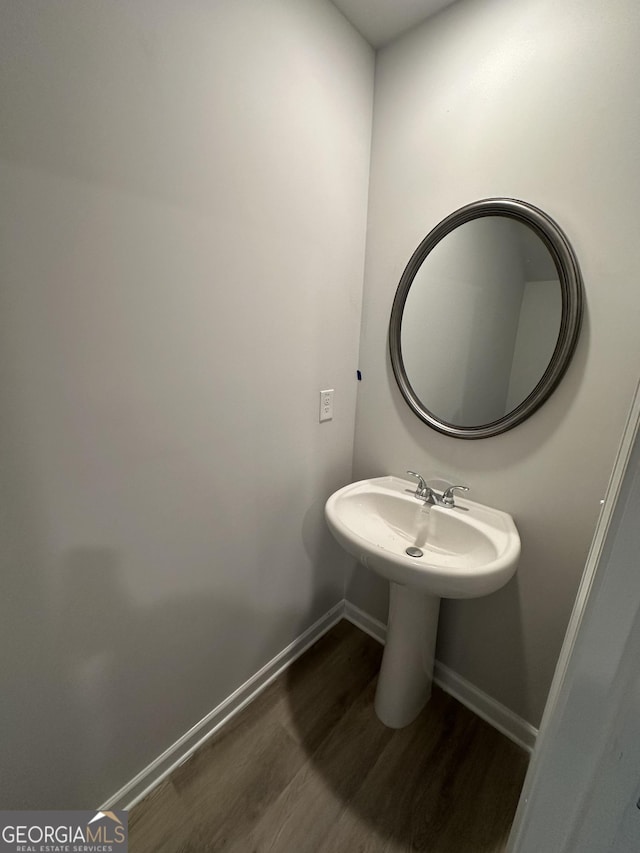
(480, 328)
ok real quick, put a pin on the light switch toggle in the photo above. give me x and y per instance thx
(326, 405)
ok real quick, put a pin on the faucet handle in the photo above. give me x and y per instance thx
(422, 486)
(447, 495)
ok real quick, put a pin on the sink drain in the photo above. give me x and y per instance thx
(414, 552)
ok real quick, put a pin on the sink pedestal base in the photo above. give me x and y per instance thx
(406, 674)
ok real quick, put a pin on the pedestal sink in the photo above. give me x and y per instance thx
(465, 551)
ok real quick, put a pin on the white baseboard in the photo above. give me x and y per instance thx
(373, 627)
(497, 715)
(177, 753)
(489, 709)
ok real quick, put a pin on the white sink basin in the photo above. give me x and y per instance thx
(465, 551)
(469, 550)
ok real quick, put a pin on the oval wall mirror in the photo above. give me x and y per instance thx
(485, 318)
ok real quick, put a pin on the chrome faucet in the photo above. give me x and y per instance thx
(447, 495)
(425, 493)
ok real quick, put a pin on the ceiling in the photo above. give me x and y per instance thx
(379, 21)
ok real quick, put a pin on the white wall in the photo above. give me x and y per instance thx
(182, 221)
(534, 100)
(582, 787)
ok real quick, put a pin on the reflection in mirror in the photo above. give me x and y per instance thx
(489, 302)
(485, 318)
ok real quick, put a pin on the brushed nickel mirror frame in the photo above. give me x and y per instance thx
(571, 286)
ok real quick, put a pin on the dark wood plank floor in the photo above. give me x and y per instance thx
(308, 768)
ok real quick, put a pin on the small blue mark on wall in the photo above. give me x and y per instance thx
(359, 375)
